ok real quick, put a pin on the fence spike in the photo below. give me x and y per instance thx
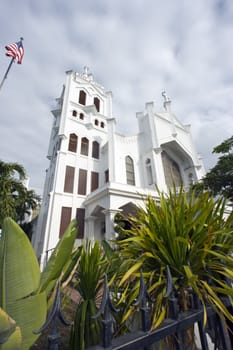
(54, 314)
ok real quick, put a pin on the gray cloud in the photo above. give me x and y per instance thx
(134, 48)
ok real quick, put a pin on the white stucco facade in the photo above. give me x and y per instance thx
(94, 171)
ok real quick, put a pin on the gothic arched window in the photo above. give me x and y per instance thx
(73, 141)
(84, 146)
(171, 171)
(82, 97)
(130, 178)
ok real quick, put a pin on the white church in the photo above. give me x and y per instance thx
(95, 172)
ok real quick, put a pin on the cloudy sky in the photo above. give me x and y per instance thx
(135, 48)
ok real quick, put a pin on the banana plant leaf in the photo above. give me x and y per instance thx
(19, 279)
(10, 335)
(59, 257)
(14, 342)
(19, 268)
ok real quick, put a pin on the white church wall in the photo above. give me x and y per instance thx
(158, 132)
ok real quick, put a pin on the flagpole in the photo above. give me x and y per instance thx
(7, 71)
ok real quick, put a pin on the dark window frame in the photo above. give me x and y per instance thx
(73, 143)
(82, 182)
(69, 179)
(82, 97)
(64, 219)
(80, 217)
(106, 175)
(95, 150)
(84, 146)
(97, 103)
(94, 180)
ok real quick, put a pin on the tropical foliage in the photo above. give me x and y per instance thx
(15, 199)
(89, 283)
(219, 180)
(25, 291)
(187, 233)
(10, 334)
(190, 235)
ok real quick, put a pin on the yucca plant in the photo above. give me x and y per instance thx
(191, 236)
(86, 331)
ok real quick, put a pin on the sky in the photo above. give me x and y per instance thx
(134, 48)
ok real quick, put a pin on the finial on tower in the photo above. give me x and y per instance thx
(86, 70)
(166, 98)
(167, 101)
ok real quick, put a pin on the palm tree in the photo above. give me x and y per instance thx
(25, 203)
(11, 177)
(15, 199)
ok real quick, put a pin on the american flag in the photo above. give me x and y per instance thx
(16, 50)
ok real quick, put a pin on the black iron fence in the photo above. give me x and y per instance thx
(173, 330)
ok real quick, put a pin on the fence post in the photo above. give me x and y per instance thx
(54, 314)
(143, 298)
(105, 307)
(173, 308)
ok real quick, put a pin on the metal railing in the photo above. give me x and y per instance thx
(176, 325)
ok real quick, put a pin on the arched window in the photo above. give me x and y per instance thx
(73, 141)
(171, 171)
(84, 146)
(81, 116)
(130, 178)
(102, 124)
(149, 172)
(82, 97)
(96, 122)
(74, 113)
(95, 149)
(97, 103)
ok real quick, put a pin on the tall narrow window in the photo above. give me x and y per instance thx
(82, 182)
(65, 220)
(106, 175)
(171, 171)
(130, 178)
(69, 179)
(84, 146)
(94, 180)
(95, 149)
(82, 97)
(97, 103)
(80, 216)
(73, 141)
(149, 172)
(74, 113)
